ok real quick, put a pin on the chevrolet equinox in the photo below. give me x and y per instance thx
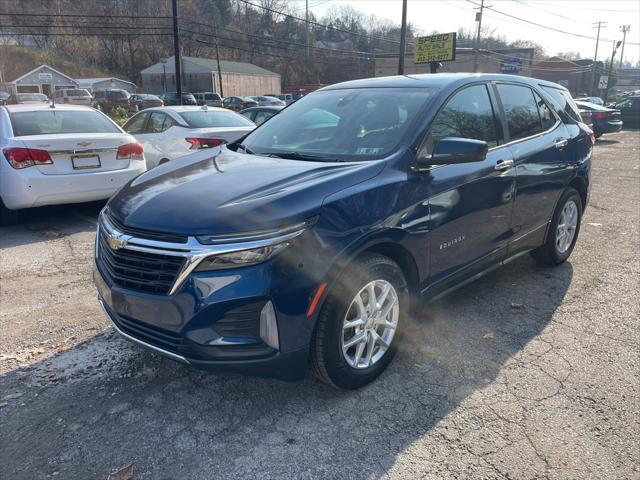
(307, 240)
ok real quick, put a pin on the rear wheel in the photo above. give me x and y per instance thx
(358, 327)
(563, 231)
(8, 217)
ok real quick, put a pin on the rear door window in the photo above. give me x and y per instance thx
(156, 123)
(520, 110)
(468, 114)
(136, 124)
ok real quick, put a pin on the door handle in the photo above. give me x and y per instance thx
(503, 165)
(561, 142)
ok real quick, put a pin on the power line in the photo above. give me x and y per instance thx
(84, 15)
(546, 27)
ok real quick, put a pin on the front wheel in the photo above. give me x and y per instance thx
(563, 231)
(359, 325)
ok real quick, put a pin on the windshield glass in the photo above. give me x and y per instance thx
(361, 124)
(63, 121)
(78, 93)
(212, 118)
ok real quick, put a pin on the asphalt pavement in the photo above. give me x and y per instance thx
(528, 373)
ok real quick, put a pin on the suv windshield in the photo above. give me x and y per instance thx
(43, 122)
(362, 124)
(212, 118)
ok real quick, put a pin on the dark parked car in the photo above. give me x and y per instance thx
(4, 96)
(603, 119)
(259, 115)
(210, 99)
(171, 98)
(630, 110)
(106, 100)
(239, 103)
(307, 240)
(142, 101)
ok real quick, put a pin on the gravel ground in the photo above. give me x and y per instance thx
(529, 372)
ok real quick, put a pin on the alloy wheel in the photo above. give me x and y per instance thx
(567, 225)
(370, 324)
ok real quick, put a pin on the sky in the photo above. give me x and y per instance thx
(571, 17)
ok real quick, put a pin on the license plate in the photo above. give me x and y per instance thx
(84, 162)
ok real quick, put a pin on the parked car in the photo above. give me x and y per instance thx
(171, 132)
(4, 96)
(594, 100)
(307, 239)
(171, 98)
(630, 110)
(603, 119)
(210, 99)
(239, 103)
(62, 154)
(264, 101)
(144, 100)
(259, 115)
(27, 98)
(106, 100)
(73, 96)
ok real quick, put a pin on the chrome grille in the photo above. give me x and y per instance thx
(140, 271)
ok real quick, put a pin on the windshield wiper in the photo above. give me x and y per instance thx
(300, 156)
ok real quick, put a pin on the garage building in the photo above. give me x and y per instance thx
(106, 83)
(201, 75)
(43, 79)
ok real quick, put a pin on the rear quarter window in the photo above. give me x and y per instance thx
(563, 102)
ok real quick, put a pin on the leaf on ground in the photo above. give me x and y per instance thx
(124, 473)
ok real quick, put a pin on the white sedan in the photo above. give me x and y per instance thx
(61, 154)
(167, 133)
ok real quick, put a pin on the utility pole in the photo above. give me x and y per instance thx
(403, 39)
(479, 20)
(592, 87)
(624, 29)
(215, 40)
(613, 56)
(176, 51)
(306, 23)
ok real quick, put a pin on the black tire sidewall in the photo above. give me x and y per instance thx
(337, 368)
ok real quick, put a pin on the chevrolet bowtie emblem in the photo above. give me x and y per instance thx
(83, 144)
(117, 241)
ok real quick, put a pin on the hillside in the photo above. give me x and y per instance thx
(16, 61)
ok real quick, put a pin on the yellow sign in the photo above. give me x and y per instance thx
(435, 48)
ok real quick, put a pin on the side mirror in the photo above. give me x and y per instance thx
(454, 150)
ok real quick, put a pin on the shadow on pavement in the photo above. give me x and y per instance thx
(107, 403)
(51, 222)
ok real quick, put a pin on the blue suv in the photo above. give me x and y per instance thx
(306, 241)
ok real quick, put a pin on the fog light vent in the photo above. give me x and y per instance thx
(269, 326)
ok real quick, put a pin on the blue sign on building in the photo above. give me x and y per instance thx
(511, 65)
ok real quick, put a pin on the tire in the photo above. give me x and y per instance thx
(8, 217)
(341, 368)
(556, 251)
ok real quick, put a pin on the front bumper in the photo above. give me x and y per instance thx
(212, 320)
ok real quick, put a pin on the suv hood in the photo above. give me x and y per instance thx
(222, 192)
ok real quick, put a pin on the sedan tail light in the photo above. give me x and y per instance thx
(600, 115)
(26, 157)
(130, 151)
(198, 143)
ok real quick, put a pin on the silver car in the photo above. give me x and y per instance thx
(72, 96)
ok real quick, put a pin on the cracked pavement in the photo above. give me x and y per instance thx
(528, 373)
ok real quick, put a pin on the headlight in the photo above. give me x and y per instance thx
(242, 258)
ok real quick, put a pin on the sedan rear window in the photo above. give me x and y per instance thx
(212, 118)
(45, 122)
(78, 93)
